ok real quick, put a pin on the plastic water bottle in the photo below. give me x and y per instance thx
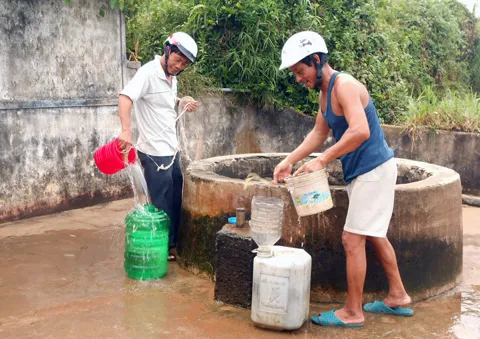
(266, 223)
(146, 243)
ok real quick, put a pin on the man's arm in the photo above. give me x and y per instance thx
(358, 131)
(135, 89)
(125, 112)
(312, 142)
(348, 95)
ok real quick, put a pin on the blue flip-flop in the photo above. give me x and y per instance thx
(381, 308)
(330, 319)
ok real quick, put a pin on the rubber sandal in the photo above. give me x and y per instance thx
(171, 256)
(380, 308)
(330, 319)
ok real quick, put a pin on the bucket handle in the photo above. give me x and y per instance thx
(291, 177)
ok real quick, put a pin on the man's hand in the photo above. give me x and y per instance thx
(312, 166)
(189, 103)
(125, 139)
(282, 170)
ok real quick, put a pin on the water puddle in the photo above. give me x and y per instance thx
(467, 323)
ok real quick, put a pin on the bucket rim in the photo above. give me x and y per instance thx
(305, 176)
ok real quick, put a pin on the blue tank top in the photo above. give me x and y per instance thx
(371, 153)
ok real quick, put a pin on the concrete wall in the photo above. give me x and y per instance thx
(227, 124)
(455, 150)
(53, 51)
(62, 67)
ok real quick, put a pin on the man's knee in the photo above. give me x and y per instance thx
(353, 243)
(378, 242)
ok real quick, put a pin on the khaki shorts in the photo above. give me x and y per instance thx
(371, 197)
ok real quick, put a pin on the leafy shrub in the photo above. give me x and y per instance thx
(397, 48)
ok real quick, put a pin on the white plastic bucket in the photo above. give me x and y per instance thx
(310, 192)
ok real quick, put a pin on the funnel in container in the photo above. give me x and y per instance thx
(266, 223)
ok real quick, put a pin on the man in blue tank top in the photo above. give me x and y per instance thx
(369, 170)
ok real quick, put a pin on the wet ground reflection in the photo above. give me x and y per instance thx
(62, 277)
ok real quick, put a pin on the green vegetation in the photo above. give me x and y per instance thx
(455, 112)
(415, 57)
(127, 6)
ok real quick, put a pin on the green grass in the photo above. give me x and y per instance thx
(451, 111)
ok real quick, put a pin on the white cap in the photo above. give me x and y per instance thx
(300, 45)
(185, 44)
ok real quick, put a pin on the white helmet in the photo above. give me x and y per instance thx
(185, 44)
(300, 45)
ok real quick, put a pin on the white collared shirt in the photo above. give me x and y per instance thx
(154, 101)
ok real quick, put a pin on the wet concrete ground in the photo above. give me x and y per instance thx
(61, 276)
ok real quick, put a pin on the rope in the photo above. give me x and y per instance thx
(162, 166)
(254, 177)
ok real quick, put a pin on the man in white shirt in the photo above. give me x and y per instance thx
(153, 91)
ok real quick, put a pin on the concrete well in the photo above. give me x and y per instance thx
(425, 230)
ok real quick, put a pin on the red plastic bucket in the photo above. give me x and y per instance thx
(109, 157)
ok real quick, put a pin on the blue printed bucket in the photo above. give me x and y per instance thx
(310, 192)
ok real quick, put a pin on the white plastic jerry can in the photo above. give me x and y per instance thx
(281, 289)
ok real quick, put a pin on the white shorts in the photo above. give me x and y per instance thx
(371, 197)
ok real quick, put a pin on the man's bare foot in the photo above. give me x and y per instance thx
(349, 317)
(400, 300)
